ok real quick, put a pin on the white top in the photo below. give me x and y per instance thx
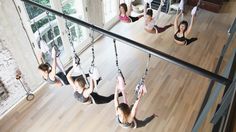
(150, 25)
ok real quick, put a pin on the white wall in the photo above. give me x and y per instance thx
(15, 40)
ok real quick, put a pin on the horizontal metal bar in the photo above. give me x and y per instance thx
(139, 46)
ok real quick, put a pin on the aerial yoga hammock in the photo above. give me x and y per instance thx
(182, 29)
(151, 20)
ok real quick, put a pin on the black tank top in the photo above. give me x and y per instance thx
(182, 39)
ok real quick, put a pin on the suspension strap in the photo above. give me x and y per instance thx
(76, 57)
(92, 47)
(117, 61)
(146, 70)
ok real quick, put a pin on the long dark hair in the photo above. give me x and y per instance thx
(124, 6)
(184, 23)
(46, 67)
(125, 109)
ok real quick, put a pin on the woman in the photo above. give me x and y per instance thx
(182, 30)
(86, 95)
(150, 21)
(125, 13)
(125, 115)
(49, 74)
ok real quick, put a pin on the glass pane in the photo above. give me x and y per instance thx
(50, 35)
(40, 23)
(110, 10)
(56, 31)
(35, 11)
(59, 42)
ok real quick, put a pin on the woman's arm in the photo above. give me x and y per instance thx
(89, 90)
(157, 16)
(116, 100)
(145, 9)
(176, 22)
(135, 107)
(130, 9)
(53, 70)
(70, 79)
(190, 26)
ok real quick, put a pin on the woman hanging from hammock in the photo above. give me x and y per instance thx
(125, 13)
(87, 95)
(151, 20)
(183, 29)
(48, 72)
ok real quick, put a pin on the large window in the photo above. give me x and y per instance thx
(110, 8)
(44, 26)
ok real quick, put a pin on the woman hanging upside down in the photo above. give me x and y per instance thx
(150, 21)
(124, 114)
(125, 13)
(86, 95)
(182, 30)
(49, 74)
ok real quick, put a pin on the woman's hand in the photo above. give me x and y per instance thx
(140, 94)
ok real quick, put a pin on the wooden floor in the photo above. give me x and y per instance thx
(174, 94)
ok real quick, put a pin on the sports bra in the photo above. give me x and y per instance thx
(182, 39)
(125, 125)
(124, 18)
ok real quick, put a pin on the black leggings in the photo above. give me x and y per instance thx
(63, 77)
(162, 29)
(189, 41)
(99, 99)
(133, 19)
(143, 123)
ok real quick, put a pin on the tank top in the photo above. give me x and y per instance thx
(124, 18)
(181, 39)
